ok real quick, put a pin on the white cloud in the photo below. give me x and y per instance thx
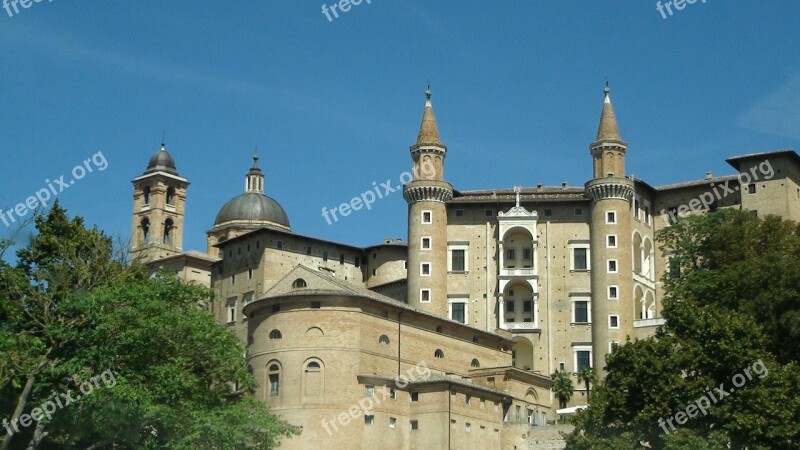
(778, 113)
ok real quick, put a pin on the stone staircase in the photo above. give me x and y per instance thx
(548, 437)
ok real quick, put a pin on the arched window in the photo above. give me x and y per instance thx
(299, 283)
(168, 226)
(170, 196)
(384, 340)
(274, 375)
(145, 223)
(275, 334)
(438, 354)
(313, 383)
(475, 363)
(146, 193)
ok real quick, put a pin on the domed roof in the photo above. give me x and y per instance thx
(252, 206)
(161, 161)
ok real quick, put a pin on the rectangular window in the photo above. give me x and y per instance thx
(415, 396)
(612, 266)
(426, 243)
(458, 262)
(273, 384)
(427, 217)
(308, 250)
(459, 213)
(526, 254)
(468, 427)
(582, 359)
(325, 255)
(392, 422)
(612, 346)
(279, 244)
(613, 321)
(578, 212)
(527, 306)
(548, 212)
(250, 274)
(511, 254)
(369, 419)
(611, 217)
(613, 293)
(231, 308)
(580, 258)
(425, 295)
(425, 269)
(233, 278)
(751, 188)
(489, 213)
(458, 312)
(580, 311)
(509, 305)
(369, 390)
(341, 258)
(316, 305)
(611, 241)
(414, 425)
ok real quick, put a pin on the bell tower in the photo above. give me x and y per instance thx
(611, 194)
(159, 204)
(427, 195)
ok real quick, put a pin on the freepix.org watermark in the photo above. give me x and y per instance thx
(343, 5)
(15, 4)
(379, 191)
(713, 396)
(702, 202)
(666, 7)
(59, 401)
(420, 372)
(53, 188)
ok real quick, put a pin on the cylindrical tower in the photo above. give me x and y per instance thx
(610, 229)
(427, 195)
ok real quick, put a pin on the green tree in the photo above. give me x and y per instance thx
(588, 377)
(72, 309)
(735, 303)
(562, 387)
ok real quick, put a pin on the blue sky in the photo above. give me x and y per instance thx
(333, 106)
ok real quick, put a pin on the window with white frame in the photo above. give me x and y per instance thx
(611, 241)
(458, 257)
(425, 243)
(613, 292)
(425, 295)
(612, 266)
(581, 310)
(427, 217)
(458, 310)
(611, 217)
(425, 269)
(613, 322)
(581, 356)
(612, 345)
(579, 256)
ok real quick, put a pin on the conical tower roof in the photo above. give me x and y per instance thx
(608, 130)
(428, 130)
